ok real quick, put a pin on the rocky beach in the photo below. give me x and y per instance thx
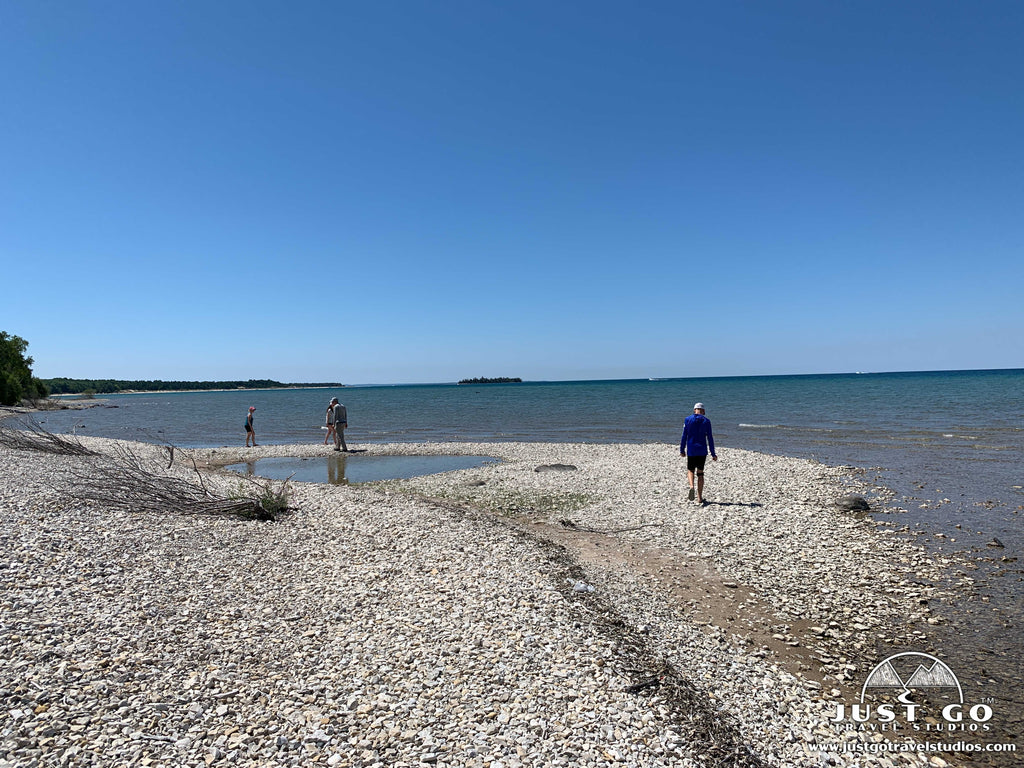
(564, 606)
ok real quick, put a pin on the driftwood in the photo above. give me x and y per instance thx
(123, 481)
(32, 437)
(607, 531)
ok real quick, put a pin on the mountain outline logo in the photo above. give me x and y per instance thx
(931, 672)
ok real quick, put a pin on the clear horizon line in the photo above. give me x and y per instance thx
(570, 381)
(683, 378)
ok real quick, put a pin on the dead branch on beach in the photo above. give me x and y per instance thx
(122, 480)
(32, 437)
(606, 531)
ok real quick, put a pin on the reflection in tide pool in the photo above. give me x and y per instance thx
(342, 469)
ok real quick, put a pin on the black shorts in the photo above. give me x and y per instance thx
(695, 462)
(248, 428)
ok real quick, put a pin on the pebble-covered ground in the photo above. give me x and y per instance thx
(497, 616)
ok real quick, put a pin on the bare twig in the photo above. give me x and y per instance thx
(573, 526)
(122, 481)
(198, 473)
(32, 437)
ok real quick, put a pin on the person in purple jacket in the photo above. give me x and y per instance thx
(697, 442)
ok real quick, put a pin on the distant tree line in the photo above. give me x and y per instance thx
(498, 380)
(62, 386)
(16, 380)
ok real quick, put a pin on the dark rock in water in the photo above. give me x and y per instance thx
(853, 504)
(555, 468)
(996, 543)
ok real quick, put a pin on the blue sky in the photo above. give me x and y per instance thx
(425, 191)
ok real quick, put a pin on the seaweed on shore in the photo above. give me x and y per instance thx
(707, 729)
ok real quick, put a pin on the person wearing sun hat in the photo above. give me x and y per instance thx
(340, 423)
(697, 442)
(250, 431)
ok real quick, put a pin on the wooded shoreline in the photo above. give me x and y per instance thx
(63, 386)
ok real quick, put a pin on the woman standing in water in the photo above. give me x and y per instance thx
(250, 433)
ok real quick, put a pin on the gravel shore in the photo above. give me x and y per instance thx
(499, 616)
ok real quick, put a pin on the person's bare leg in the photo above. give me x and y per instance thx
(700, 487)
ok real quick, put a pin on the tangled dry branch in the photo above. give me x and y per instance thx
(123, 480)
(32, 437)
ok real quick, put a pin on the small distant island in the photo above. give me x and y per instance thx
(111, 386)
(498, 380)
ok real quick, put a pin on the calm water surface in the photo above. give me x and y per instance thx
(342, 469)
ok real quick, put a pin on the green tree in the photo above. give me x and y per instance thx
(16, 379)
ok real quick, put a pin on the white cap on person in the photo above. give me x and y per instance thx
(698, 406)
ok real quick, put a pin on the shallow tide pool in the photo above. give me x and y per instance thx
(342, 469)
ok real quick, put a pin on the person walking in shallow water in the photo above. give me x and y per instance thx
(340, 423)
(250, 431)
(695, 445)
(330, 422)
